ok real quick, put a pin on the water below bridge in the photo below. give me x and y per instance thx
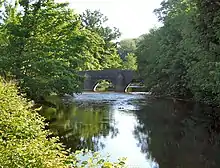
(151, 133)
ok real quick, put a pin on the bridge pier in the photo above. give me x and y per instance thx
(120, 84)
(88, 83)
(119, 88)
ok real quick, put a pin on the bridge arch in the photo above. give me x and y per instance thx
(135, 85)
(119, 78)
(106, 84)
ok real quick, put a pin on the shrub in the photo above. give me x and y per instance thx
(23, 140)
(95, 160)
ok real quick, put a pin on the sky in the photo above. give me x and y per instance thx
(132, 17)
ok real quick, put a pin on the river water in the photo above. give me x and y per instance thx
(151, 133)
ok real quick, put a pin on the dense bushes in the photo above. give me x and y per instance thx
(181, 58)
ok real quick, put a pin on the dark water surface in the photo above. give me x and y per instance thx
(151, 133)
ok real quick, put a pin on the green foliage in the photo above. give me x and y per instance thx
(40, 48)
(126, 50)
(181, 58)
(126, 46)
(130, 62)
(96, 161)
(43, 44)
(94, 21)
(104, 85)
(24, 141)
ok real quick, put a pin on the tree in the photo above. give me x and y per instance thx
(43, 45)
(181, 58)
(130, 62)
(126, 46)
(41, 50)
(95, 21)
(162, 57)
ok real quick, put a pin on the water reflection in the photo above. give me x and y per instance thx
(102, 122)
(179, 134)
(80, 125)
(152, 133)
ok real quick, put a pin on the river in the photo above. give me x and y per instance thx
(151, 133)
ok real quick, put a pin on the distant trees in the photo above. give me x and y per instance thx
(94, 21)
(110, 57)
(130, 62)
(126, 46)
(182, 57)
(126, 50)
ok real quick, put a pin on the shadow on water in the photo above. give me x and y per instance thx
(179, 134)
(79, 126)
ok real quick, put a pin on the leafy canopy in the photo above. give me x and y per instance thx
(43, 44)
(181, 58)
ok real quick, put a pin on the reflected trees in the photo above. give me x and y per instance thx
(79, 125)
(179, 134)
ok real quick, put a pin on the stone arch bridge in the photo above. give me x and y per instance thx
(119, 78)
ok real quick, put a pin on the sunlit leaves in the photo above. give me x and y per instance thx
(130, 62)
(96, 160)
(22, 138)
(25, 141)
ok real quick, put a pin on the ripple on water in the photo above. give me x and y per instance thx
(120, 101)
(107, 96)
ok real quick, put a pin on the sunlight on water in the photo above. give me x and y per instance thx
(124, 144)
(106, 96)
